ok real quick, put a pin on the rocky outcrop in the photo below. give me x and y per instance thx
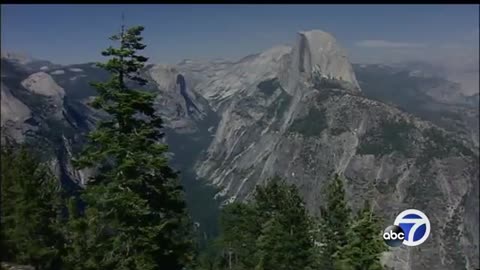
(12, 109)
(180, 107)
(14, 113)
(41, 83)
(318, 53)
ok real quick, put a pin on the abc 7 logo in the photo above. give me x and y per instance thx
(394, 236)
(411, 228)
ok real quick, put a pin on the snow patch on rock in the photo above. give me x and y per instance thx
(75, 69)
(76, 77)
(58, 72)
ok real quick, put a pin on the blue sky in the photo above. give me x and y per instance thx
(77, 33)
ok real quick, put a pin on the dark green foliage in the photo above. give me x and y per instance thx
(30, 213)
(274, 231)
(346, 242)
(364, 243)
(390, 136)
(235, 247)
(240, 227)
(311, 125)
(135, 216)
(285, 241)
(271, 232)
(211, 258)
(334, 223)
(273, 253)
(269, 86)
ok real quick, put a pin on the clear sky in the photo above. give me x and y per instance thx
(77, 33)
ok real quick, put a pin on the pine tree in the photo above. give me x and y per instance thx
(135, 216)
(82, 237)
(210, 257)
(273, 248)
(272, 231)
(30, 211)
(334, 223)
(286, 240)
(239, 229)
(364, 245)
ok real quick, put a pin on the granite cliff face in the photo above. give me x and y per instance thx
(14, 113)
(299, 112)
(317, 53)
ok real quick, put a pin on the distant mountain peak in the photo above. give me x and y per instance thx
(318, 52)
(21, 58)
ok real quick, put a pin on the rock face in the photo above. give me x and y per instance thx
(300, 113)
(38, 114)
(14, 113)
(219, 81)
(317, 53)
(177, 104)
(12, 108)
(43, 84)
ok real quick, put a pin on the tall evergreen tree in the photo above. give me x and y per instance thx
(286, 240)
(239, 229)
(135, 212)
(365, 244)
(273, 246)
(30, 211)
(273, 231)
(334, 223)
(235, 247)
(210, 258)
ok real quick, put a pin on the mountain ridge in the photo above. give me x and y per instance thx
(299, 112)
